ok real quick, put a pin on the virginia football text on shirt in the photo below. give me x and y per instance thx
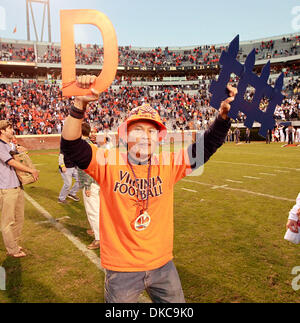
(127, 185)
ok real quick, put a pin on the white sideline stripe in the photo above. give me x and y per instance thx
(257, 165)
(230, 180)
(251, 177)
(186, 189)
(78, 244)
(241, 190)
(217, 186)
(267, 174)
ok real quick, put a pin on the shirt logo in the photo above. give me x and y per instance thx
(142, 222)
(127, 185)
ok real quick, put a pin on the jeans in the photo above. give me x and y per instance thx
(67, 178)
(163, 285)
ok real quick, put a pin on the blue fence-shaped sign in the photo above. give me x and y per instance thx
(263, 90)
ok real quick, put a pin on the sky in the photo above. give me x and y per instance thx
(153, 23)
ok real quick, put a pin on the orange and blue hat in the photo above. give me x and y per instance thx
(144, 112)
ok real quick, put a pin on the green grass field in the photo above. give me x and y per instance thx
(228, 240)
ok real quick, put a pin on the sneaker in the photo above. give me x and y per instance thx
(94, 245)
(62, 201)
(74, 197)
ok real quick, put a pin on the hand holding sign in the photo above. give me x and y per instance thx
(225, 105)
(84, 82)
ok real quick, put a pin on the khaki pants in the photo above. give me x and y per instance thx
(12, 217)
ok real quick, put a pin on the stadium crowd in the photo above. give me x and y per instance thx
(149, 58)
(36, 108)
(40, 108)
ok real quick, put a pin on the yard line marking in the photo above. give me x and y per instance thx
(88, 253)
(257, 165)
(186, 189)
(217, 186)
(42, 222)
(242, 190)
(57, 220)
(251, 177)
(78, 244)
(230, 180)
(267, 174)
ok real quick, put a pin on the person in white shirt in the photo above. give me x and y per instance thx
(298, 135)
(276, 135)
(282, 137)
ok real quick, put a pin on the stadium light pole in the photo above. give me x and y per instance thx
(46, 4)
(27, 21)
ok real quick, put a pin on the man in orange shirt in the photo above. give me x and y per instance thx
(136, 213)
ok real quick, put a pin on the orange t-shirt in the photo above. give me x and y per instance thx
(123, 248)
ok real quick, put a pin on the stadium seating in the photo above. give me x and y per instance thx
(30, 95)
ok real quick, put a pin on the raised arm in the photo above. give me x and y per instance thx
(215, 136)
(72, 126)
(78, 150)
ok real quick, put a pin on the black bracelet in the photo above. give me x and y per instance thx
(76, 113)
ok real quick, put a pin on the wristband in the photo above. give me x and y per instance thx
(76, 113)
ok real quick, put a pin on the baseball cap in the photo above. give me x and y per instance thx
(144, 112)
(4, 124)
